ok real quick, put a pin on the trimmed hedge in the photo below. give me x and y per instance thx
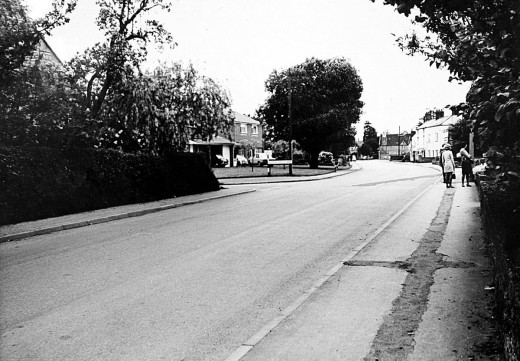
(40, 182)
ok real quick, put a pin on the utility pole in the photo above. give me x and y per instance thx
(399, 142)
(289, 100)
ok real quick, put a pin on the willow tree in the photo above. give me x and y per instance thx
(160, 111)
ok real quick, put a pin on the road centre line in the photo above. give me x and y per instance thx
(249, 344)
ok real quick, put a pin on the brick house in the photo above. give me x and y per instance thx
(393, 145)
(248, 135)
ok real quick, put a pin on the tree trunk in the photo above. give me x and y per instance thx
(313, 163)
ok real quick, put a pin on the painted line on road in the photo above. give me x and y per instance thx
(248, 345)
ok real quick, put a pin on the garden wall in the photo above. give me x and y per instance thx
(38, 182)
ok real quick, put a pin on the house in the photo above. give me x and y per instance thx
(45, 54)
(431, 135)
(393, 145)
(245, 138)
(248, 136)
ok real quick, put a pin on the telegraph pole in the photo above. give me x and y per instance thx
(399, 142)
(290, 124)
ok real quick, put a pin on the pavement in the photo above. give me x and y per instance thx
(430, 295)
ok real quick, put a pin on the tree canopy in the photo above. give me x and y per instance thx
(160, 111)
(478, 41)
(324, 97)
(370, 139)
(35, 97)
(128, 30)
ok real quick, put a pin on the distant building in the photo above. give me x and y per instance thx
(393, 145)
(431, 136)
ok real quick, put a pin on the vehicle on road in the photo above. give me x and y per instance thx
(241, 161)
(218, 160)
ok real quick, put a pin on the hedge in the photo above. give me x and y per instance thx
(502, 225)
(39, 182)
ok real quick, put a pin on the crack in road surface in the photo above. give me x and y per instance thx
(395, 337)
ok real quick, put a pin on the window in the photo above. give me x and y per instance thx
(243, 128)
(254, 129)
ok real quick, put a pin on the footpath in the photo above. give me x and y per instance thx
(421, 289)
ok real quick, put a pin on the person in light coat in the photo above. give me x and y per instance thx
(448, 164)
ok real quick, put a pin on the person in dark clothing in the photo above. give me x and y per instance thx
(441, 164)
(467, 165)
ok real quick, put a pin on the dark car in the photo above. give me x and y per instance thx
(218, 160)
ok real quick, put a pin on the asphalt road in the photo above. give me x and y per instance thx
(194, 282)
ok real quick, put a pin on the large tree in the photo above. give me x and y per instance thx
(128, 29)
(478, 41)
(323, 99)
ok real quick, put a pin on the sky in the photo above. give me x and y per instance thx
(238, 43)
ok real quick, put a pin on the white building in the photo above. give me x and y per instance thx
(430, 137)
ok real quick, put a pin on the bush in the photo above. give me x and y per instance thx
(40, 182)
(500, 204)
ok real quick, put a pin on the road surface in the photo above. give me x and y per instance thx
(194, 282)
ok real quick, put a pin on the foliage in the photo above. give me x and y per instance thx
(20, 35)
(158, 112)
(41, 182)
(325, 102)
(37, 104)
(478, 41)
(128, 30)
(365, 149)
(459, 134)
(370, 139)
(280, 149)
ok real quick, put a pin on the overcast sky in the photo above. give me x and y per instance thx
(239, 43)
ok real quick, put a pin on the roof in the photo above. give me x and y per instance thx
(396, 139)
(218, 140)
(49, 54)
(441, 122)
(241, 118)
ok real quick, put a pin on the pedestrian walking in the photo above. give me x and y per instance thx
(448, 164)
(467, 165)
(442, 164)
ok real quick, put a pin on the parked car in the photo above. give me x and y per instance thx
(326, 158)
(259, 159)
(218, 160)
(241, 160)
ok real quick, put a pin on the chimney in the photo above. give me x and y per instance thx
(439, 114)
